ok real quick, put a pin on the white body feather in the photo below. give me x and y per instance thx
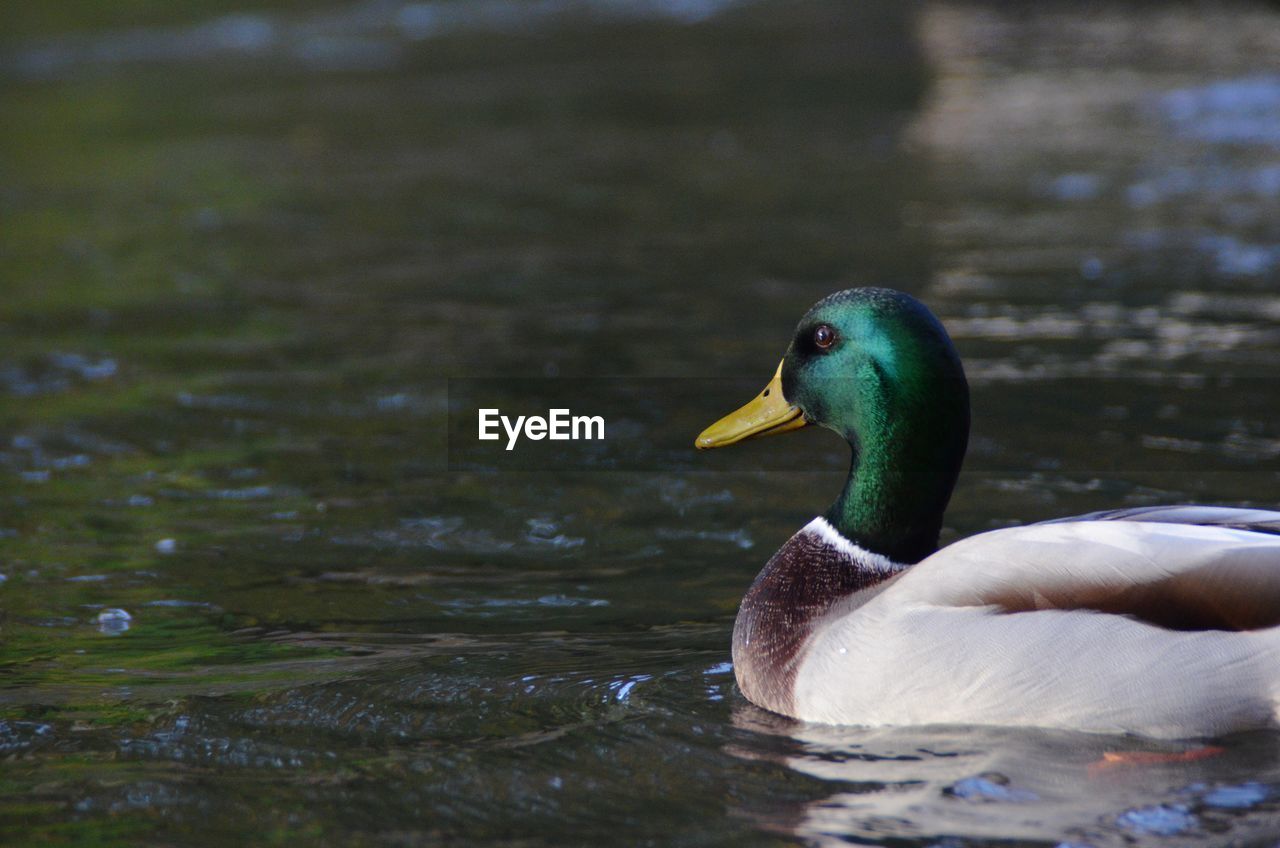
(933, 646)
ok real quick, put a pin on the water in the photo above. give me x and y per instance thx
(250, 595)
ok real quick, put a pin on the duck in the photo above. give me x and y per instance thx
(1158, 621)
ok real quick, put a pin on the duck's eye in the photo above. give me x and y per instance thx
(824, 336)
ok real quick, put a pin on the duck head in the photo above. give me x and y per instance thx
(877, 367)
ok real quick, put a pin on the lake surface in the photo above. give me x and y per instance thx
(254, 265)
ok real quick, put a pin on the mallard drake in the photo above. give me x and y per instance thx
(1161, 621)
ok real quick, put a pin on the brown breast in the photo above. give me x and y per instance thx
(803, 580)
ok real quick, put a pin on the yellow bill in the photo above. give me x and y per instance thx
(764, 415)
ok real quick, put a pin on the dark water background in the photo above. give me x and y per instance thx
(248, 256)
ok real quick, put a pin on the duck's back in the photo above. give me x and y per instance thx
(1233, 518)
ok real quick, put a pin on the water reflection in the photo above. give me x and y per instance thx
(1153, 183)
(996, 783)
(363, 36)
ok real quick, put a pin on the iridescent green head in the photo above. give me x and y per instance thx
(878, 368)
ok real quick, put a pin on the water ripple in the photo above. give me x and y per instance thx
(360, 36)
(1159, 820)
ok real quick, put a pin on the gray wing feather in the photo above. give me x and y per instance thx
(1236, 518)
